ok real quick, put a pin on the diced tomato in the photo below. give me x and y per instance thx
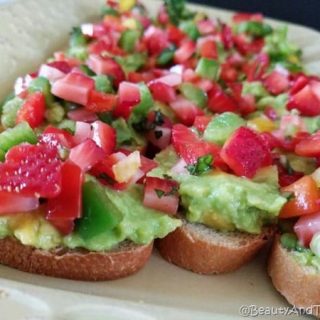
(86, 154)
(189, 146)
(186, 50)
(101, 102)
(226, 36)
(286, 178)
(305, 101)
(276, 82)
(147, 164)
(51, 73)
(219, 101)
(106, 66)
(31, 170)
(171, 79)
(83, 131)
(298, 83)
(175, 35)
(129, 96)
(65, 138)
(248, 46)
(244, 16)
(162, 92)
(32, 110)
(185, 110)
(306, 227)
(245, 152)
(206, 26)
(305, 200)
(201, 122)
(15, 203)
(309, 147)
(62, 66)
(66, 207)
(160, 137)
(156, 39)
(104, 136)
(228, 73)
(270, 140)
(257, 67)
(161, 194)
(74, 87)
(208, 48)
(101, 45)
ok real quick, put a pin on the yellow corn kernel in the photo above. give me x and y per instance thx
(126, 5)
(293, 59)
(125, 169)
(262, 124)
(130, 23)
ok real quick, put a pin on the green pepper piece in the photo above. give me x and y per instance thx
(166, 56)
(129, 39)
(141, 110)
(194, 94)
(289, 241)
(103, 83)
(222, 126)
(254, 28)
(132, 62)
(9, 112)
(78, 44)
(42, 84)
(108, 11)
(190, 28)
(84, 68)
(208, 68)
(99, 214)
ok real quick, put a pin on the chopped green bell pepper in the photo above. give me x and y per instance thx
(208, 68)
(9, 112)
(194, 94)
(42, 84)
(132, 62)
(190, 28)
(103, 84)
(99, 214)
(254, 28)
(166, 56)
(129, 39)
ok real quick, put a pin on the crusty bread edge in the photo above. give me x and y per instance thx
(75, 264)
(188, 250)
(295, 282)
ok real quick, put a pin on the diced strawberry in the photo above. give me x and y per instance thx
(228, 73)
(298, 83)
(15, 203)
(74, 87)
(245, 152)
(276, 82)
(306, 101)
(186, 50)
(157, 40)
(63, 137)
(162, 92)
(106, 66)
(101, 102)
(161, 194)
(226, 36)
(208, 48)
(86, 154)
(32, 110)
(175, 35)
(104, 44)
(185, 110)
(189, 146)
(104, 136)
(62, 66)
(201, 122)
(206, 26)
(31, 170)
(83, 115)
(129, 96)
(219, 101)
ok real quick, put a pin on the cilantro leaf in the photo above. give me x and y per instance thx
(202, 165)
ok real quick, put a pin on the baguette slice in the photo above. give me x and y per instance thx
(300, 285)
(75, 264)
(203, 250)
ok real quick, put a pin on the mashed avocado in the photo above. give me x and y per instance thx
(227, 203)
(139, 224)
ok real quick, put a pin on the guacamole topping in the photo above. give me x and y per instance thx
(227, 203)
(140, 225)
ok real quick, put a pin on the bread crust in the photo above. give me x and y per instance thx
(298, 284)
(75, 264)
(187, 248)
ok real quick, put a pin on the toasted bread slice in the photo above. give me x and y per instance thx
(75, 264)
(203, 250)
(299, 284)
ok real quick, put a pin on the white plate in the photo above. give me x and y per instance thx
(29, 32)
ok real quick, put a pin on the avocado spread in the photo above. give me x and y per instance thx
(139, 224)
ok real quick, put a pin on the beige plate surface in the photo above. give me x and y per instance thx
(30, 30)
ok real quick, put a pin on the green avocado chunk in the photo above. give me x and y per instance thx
(221, 127)
(227, 203)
